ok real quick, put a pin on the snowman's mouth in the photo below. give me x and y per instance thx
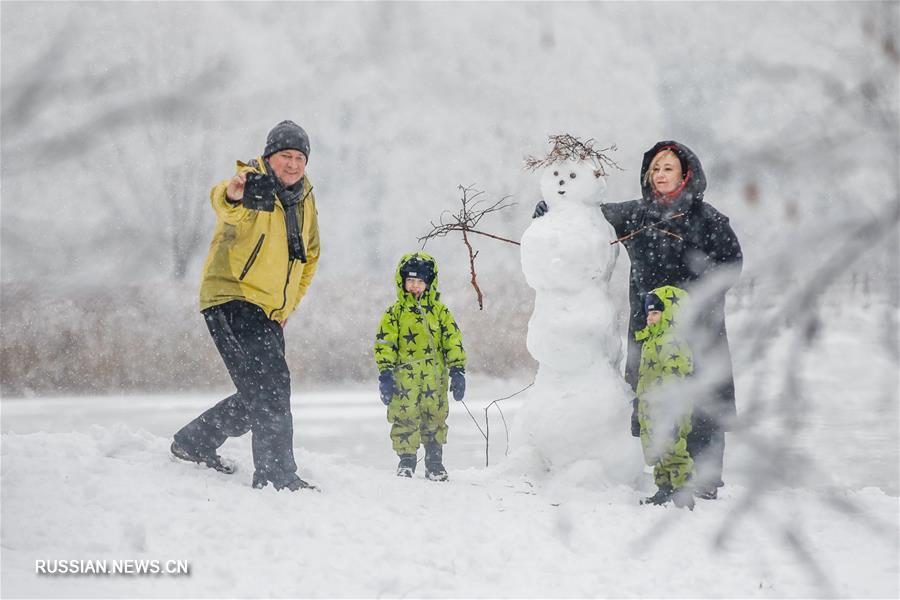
(561, 192)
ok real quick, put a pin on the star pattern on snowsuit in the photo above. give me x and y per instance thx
(411, 337)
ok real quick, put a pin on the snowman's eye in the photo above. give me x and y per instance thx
(556, 173)
(572, 175)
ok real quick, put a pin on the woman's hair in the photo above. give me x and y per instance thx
(648, 176)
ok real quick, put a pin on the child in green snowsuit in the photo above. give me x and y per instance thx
(417, 342)
(664, 413)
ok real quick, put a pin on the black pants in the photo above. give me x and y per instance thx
(252, 347)
(706, 445)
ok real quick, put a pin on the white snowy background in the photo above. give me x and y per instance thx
(118, 118)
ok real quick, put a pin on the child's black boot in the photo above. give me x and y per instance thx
(662, 496)
(434, 466)
(407, 465)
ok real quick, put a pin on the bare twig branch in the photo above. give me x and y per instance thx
(486, 432)
(487, 423)
(474, 280)
(568, 147)
(465, 221)
(496, 237)
(650, 226)
(467, 218)
(668, 233)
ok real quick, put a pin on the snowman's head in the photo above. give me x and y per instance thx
(575, 181)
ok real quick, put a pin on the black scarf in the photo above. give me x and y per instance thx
(290, 198)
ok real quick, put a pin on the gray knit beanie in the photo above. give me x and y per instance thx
(287, 135)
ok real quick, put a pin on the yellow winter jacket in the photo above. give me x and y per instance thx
(248, 255)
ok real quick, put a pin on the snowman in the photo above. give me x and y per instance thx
(576, 417)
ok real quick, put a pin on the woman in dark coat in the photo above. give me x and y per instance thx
(675, 238)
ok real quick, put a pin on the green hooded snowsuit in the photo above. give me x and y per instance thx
(419, 341)
(663, 411)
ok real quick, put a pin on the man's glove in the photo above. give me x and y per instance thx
(635, 423)
(386, 386)
(458, 382)
(540, 210)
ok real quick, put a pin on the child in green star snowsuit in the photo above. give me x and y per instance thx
(664, 412)
(419, 348)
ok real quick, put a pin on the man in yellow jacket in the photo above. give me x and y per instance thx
(262, 258)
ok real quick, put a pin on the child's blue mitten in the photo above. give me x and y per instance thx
(458, 382)
(386, 386)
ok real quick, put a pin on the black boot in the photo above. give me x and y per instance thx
(297, 484)
(662, 495)
(710, 492)
(213, 460)
(434, 467)
(407, 465)
(260, 481)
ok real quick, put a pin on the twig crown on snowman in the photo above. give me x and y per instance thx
(567, 147)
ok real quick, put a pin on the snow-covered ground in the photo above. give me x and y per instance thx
(113, 493)
(108, 489)
(91, 479)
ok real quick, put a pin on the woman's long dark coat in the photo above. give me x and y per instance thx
(696, 248)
